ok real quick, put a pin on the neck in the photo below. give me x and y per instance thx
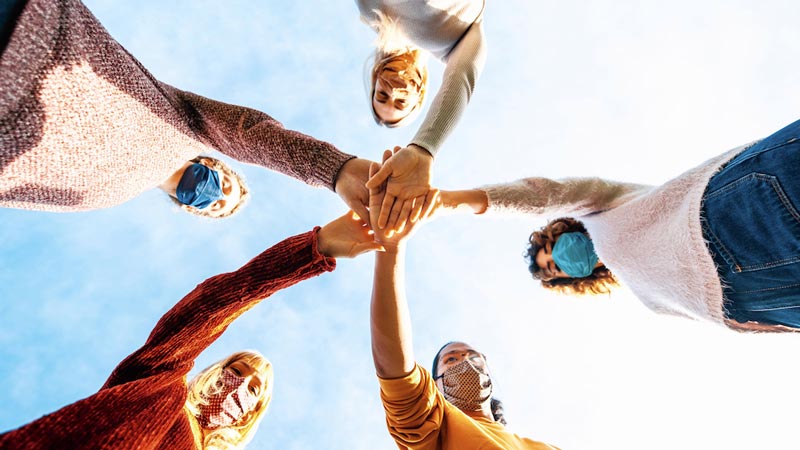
(485, 412)
(170, 185)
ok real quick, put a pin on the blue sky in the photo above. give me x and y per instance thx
(635, 91)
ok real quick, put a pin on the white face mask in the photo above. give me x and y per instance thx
(466, 386)
(229, 404)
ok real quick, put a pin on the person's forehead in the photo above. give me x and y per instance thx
(457, 347)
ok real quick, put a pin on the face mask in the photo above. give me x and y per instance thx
(199, 186)
(466, 386)
(229, 404)
(574, 254)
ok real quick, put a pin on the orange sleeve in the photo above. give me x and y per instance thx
(414, 409)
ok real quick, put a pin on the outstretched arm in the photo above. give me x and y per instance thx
(569, 196)
(254, 137)
(390, 323)
(204, 314)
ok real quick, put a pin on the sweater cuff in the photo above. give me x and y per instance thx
(326, 263)
(327, 168)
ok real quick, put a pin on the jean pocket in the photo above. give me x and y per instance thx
(753, 223)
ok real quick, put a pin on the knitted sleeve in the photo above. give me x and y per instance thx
(414, 409)
(571, 196)
(204, 314)
(251, 136)
(464, 66)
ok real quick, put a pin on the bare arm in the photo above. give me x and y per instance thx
(390, 322)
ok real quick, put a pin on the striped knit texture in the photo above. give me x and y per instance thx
(83, 125)
(141, 405)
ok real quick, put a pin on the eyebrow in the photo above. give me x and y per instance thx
(469, 351)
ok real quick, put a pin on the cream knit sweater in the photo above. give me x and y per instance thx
(649, 237)
(451, 30)
(84, 125)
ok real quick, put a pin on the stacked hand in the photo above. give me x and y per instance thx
(420, 207)
(406, 174)
(346, 237)
(391, 198)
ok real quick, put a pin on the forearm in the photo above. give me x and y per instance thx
(203, 315)
(464, 66)
(472, 200)
(570, 197)
(254, 137)
(390, 322)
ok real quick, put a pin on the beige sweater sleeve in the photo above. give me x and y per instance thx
(570, 196)
(464, 66)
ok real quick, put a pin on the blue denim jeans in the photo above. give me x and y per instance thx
(751, 221)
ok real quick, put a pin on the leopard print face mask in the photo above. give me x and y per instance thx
(467, 386)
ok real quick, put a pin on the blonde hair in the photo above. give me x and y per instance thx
(219, 166)
(204, 385)
(392, 45)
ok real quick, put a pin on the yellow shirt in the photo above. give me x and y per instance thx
(419, 417)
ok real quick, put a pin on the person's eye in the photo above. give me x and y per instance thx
(254, 390)
(450, 359)
(236, 371)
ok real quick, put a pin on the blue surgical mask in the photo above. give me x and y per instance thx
(574, 254)
(199, 186)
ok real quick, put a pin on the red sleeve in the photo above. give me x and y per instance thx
(204, 314)
(251, 136)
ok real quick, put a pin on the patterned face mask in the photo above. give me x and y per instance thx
(229, 404)
(467, 386)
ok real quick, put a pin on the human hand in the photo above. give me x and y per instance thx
(346, 237)
(409, 171)
(350, 186)
(393, 240)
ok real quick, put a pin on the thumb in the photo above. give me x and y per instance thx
(361, 212)
(376, 179)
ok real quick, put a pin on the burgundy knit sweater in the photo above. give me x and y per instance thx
(84, 125)
(141, 404)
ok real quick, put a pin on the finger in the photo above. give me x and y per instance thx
(402, 219)
(376, 179)
(386, 208)
(431, 200)
(394, 214)
(417, 210)
(360, 213)
(388, 154)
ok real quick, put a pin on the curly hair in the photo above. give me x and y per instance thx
(599, 282)
(220, 167)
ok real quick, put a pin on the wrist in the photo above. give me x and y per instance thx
(421, 150)
(345, 171)
(323, 240)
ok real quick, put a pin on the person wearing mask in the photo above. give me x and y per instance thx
(146, 403)
(84, 125)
